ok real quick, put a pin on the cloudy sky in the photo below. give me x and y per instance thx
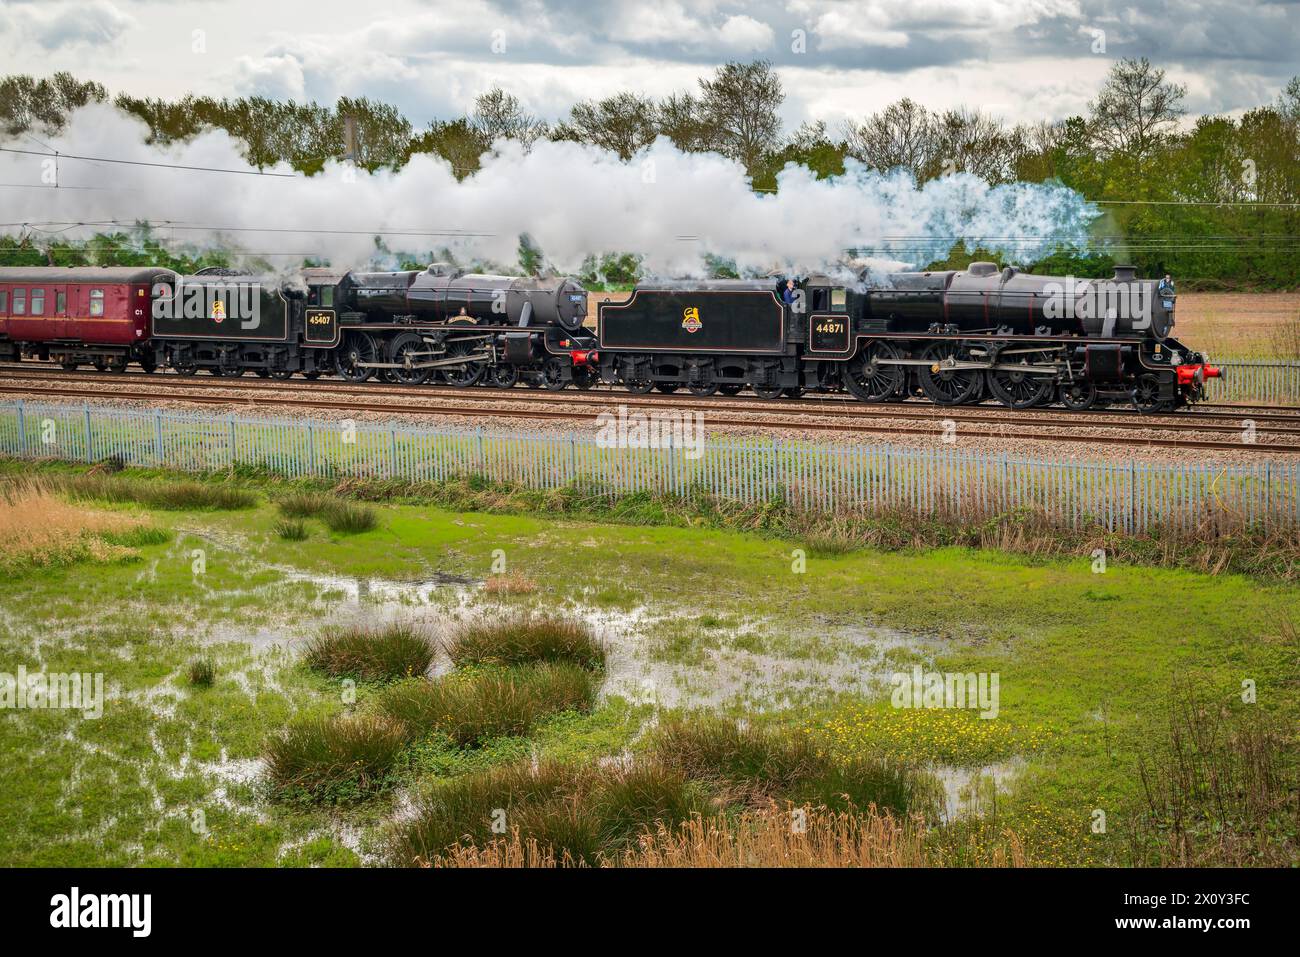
(1018, 59)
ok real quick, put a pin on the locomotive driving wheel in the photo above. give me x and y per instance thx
(868, 379)
(1019, 389)
(357, 348)
(948, 386)
(407, 350)
(468, 372)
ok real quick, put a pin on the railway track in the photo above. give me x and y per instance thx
(837, 403)
(488, 404)
(1278, 421)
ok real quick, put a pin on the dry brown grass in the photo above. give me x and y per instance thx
(1241, 325)
(512, 583)
(771, 836)
(37, 527)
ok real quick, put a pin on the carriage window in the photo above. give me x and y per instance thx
(4, 300)
(38, 302)
(20, 302)
(60, 302)
(838, 300)
(96, 302)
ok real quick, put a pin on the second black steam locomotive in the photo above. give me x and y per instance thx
(953, 336)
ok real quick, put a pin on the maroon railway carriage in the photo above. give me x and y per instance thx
(79, 314)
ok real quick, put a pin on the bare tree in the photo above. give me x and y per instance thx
(740, 106)
(904, 134)
(499, 114)
(680, 118)
(623, 123)
(973, 142)
(1135, 111)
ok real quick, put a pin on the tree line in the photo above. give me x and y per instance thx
(1207, 201)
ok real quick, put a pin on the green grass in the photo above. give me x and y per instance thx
(332, 760)
(349, 518)
(291, 529)
(474, 706)
(757, 763)
(1089, 665)
(306, 504)
(341, 515)
(201, 673)
(581, 812)
(174, 495)
(526, 637)
(371, 653)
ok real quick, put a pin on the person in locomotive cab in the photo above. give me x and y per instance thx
(1166, 287)
(787, 294)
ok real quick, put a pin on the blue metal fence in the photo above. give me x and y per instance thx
(945, 482)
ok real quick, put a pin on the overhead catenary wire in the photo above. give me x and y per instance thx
(156, 165)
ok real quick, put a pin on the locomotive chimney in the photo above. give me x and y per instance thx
(1125, 273)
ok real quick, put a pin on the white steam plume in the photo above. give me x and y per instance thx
(573, 200)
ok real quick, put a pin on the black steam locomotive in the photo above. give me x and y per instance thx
(954, 337)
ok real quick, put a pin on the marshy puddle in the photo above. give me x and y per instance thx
(971, 792)
(733, 664)
(782, 671)
(381, 591)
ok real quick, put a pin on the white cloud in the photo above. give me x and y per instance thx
(56, 26)
(745, 34)
(277, 77)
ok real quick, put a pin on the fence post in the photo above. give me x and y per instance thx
(1268, 493)
(22, 430)
(392, 452)
(776, 472)
(311, 448)
(157, 436)
(1132, 497)
(888, 490)
(230, 421)
(482, 454)
(89, 436)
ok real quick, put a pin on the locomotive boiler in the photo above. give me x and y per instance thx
(441, 293)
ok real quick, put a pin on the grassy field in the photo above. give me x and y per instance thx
(246, 723)
(1227, 325)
